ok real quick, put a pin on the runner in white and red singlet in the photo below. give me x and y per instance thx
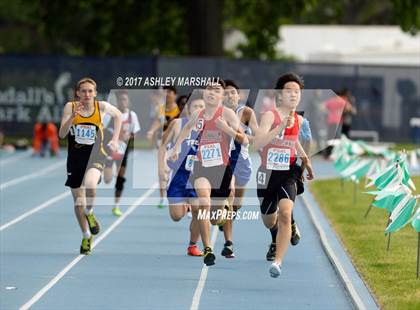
(277, 140)
(212, 174)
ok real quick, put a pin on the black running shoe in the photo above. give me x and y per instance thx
(209, 257)
(220, 227)
(294, 240)
(228, 250)
(271, 254)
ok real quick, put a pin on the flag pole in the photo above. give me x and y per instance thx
(389, 241)
(389, 235)
(418, 254)
(368, 210)
(418, 245)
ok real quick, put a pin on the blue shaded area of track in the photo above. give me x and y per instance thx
(142, 264)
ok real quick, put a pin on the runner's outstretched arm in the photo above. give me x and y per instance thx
(184, 134)
(306, 163)
(68, 115)
(116, 115)
(252, 123)
(229, 123)
(264, 134)
(155, 126)
(167, 137)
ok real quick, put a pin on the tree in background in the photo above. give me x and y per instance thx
(205, 21)
(407, 15)
(93, 27)
(179, 27)
(260, 22)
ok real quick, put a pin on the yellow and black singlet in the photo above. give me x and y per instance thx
(168, 116)
(85, 138)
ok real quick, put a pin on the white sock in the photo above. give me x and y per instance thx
(87, 234)
(88, 211)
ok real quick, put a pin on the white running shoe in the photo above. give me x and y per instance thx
(275, 270)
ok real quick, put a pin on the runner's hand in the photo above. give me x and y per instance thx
(310, 174)
(222, 124)
(290, 119)
(149, 135)
(175, 154)
(77, 110)
(113, 145)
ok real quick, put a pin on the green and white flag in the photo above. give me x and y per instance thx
(382, 175)
(402, 214)
(377, 170)
(416, 220)
(373, 170)
(406, 178)
(389, 202)
(395, 191)
(357, 169)
(389, 179)
(373, 150)
(342, 162)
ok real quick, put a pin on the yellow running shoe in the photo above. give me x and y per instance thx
(227, 211)
(86, 246)
(116, 211)
(93, 224)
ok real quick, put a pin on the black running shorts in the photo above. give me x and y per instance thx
(76, 171)
(273, 185)
(218, 176)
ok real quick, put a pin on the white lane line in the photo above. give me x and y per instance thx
(42, 206)
(32, 175)
(102, 236)
(203, 276)
(357, 300)
(13, 158)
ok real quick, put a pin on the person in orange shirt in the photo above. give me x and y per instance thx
(45, 137)
(335, 107)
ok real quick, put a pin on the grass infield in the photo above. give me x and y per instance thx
(390, 275)
(405, 146)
